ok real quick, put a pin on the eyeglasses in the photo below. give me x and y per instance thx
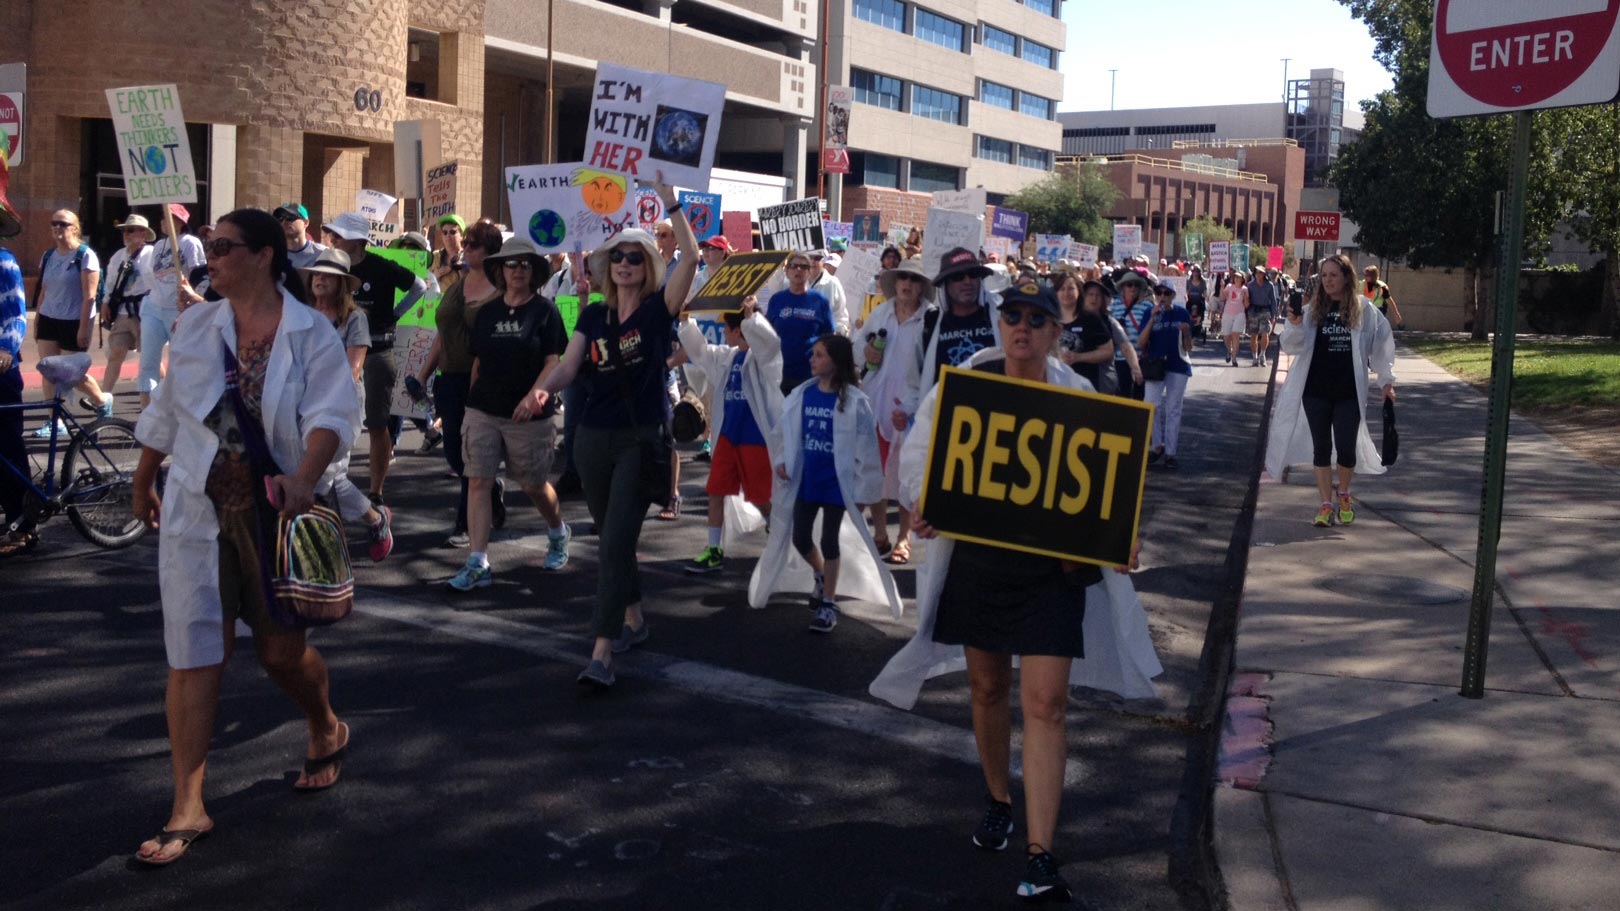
(63, 224)
(817, 258)
(1036, 319)
(797, 266)
(286, 217)
(633, 257)
(517, 264)
(219, 247)
(963, 276)
(665, 235)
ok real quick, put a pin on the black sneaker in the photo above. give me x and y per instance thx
(826, 618)
(1171, 463)
(997, 824)
(1154, 455)
(1042, 882)
(376, 499)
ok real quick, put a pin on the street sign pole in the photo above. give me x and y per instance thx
(1496, 434)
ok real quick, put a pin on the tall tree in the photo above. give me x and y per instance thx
(1587, 155)
(1070, 201)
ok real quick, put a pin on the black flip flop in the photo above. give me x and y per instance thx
(167, 837)
(316, 766)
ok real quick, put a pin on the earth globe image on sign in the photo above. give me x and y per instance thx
(678, 136)
(547, 228)
(155, 160)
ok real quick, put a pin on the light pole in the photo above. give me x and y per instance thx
(1285, 78)
(1113, 79)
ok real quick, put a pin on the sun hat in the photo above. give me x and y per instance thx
(331, 262)
(888, 278)
(410, 240)
(512, 249)
(138, 221)
(350, 226)
(1131, 276)
(960, 261)
(598, 259)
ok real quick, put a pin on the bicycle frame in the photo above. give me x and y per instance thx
(51, 495)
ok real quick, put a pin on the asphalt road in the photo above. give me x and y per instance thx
(738, 764)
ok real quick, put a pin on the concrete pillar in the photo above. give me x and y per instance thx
(222, 171)
(795, 145)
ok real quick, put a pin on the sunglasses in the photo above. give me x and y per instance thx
(1036, 319)
(907, 277)
(285, 217)
(63, 224)
(517, 264)
(797, 266)
(963, 276)
(1166, 294)
(633, 257)
(222, 246)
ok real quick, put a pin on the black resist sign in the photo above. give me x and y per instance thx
(1035, 467)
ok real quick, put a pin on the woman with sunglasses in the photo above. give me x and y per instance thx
(618, 350)
(1167, 337)
(449, 261)
(980, 605)
(293, 379)
(69, 273)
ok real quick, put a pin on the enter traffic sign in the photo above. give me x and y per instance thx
(1321, 226)
(1491, 56)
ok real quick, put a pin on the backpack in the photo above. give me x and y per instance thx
(78, 263)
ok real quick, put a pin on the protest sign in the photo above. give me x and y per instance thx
(439, 197)
(898, 234)
(837, 230)
(972, 201)
(1192, 245)
(1127, 242)
(947, 230)
(871, 302)
(1151, 251)
(1084, 254)
(1274, 257)
(1220, 255)
(568, 308)
(417, 148)
(1037, 468)
(568, 207)
(856, 272)
(1049, 248)
(738, 227)
(867, 228)
(740, 275)
(1240, 257)
(702, 213)
(649, 208)
(375, 206)
(414, 333)
(152, 145)
(1000, 246)
(792, 226)
(835, 144)
(643, 123)
(1011, 224)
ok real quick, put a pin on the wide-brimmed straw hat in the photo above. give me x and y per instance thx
(889, 278)
(514, 248)
(138, 221)
(332, 261)
(655, 260)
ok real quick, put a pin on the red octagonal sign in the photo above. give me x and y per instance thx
(1490, 56)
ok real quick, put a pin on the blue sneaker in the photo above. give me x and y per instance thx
(44, 431)
(104, 410)
(471, 576)
(630, 637)
(557, 548)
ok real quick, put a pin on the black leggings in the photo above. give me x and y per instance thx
(1340, 416)
(804, 520)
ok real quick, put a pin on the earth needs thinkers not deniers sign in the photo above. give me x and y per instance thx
(152, 144)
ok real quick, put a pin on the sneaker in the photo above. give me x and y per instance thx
(1171, 463)
(819, 593)
(1256, 363)
(497, 504)
(376, 499)
(997, 824)
(629, 638)
(1263, 361)
(381, 535)
(101, 411)
(1324, 516)
(44, 431)
(825, 619)
(1347, 510)
(557, 548)
(430, 442)
(710, 561)
(459, 538)
(596, 675)
(1154, 455)
(471, 576)
(1042, 882)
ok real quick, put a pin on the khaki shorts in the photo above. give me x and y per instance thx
(125, 333)
(526, 446)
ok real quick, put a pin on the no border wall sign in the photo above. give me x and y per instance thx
(1492, 56)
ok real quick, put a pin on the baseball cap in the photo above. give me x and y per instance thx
(293, 209)
(1031, 293)
(719, 242)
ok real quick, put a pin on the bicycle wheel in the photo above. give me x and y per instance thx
(98, 483)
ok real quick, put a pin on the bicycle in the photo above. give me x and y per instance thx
(96, 486)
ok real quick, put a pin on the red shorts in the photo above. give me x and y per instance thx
(883, 452)
(737, 469)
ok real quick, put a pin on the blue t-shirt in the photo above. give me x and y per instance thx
(1165, 339)
(799, 319)
(643, 342)
(1132, 318)
(819, 482)
(63, 296)
(737, 423)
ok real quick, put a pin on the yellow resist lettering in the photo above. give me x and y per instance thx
(1115, 445)
(995, 455)
(1024, 494)
(739, 280)
(1052, 461)
(1073, 503)
(960, 450)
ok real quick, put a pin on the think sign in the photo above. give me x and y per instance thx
(1320, 226)
(1490, 56)
(152, 144)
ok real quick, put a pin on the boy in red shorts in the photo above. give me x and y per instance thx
(746, 373)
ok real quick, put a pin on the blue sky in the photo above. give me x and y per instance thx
(1197, 52)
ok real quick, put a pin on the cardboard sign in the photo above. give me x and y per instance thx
(1274, 257)
(439, 197)
(1192, 246)
(1036, 468)
(413, 334)
(1010, 223)
(1001, 246)
(375, 206)
(871, 302)
(643, 123)
(1151, 251)
(792, 226)
(152, 144)
(568, 207)
(1084, 254)
(971, 201)
(947, 230)
(1240, 257)
(898, 234)
(1127, 241)
(740, 275)
(1049, 248)
(1220, 255)
(568, 307)
(837, 230)
(867, 228)
(649, 208)
(702, 213)
(738, 227)
(417, 148)
(856, 273)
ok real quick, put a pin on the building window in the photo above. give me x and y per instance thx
(1176, 129)
(1086, 132)
(1039, 54)
(940, 30)
(1035, 105)
(422, 64)
(997, 40)
(1031, 157)
(887, 13)
(1045, 7)
(880, 171)
(932, 178)
(994, 150)
(876, 89)
(936, 105)
(997, 94)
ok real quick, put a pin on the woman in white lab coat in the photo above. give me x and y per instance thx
(293, 373)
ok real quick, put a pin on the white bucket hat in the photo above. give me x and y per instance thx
(350, 226)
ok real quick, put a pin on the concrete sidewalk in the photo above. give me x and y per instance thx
(1355, 778)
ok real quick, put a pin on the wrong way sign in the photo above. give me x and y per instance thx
(1492, 56)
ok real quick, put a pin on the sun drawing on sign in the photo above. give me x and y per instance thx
(602, 192)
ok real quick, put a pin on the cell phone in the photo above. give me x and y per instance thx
(1296, 302)
(270, 493)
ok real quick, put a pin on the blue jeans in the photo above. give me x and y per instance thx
(155, 323)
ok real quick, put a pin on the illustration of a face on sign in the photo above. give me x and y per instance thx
(603, 193)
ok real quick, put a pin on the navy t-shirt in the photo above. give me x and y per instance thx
(799, 319)
(1088, 332)
(961, 337)
(643, 341)
(737, 423)
(819, 482)
(1332, 374)
(1165, 339)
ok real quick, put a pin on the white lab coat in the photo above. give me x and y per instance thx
(1290, 439)
(861, 574)
(895, 383)
(1119, 649)
(307, 387)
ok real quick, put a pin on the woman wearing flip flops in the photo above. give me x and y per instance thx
(295, 380)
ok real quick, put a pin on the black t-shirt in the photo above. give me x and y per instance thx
(643, 341)
(1333, 373)
(379, 279)
(961, 337)
(511, 346)
(1087, 332)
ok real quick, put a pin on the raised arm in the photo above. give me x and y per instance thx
(679, 281)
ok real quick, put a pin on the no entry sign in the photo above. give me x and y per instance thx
(1322, 226)
(1490, 56)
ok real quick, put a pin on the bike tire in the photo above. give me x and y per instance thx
(98, 488)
